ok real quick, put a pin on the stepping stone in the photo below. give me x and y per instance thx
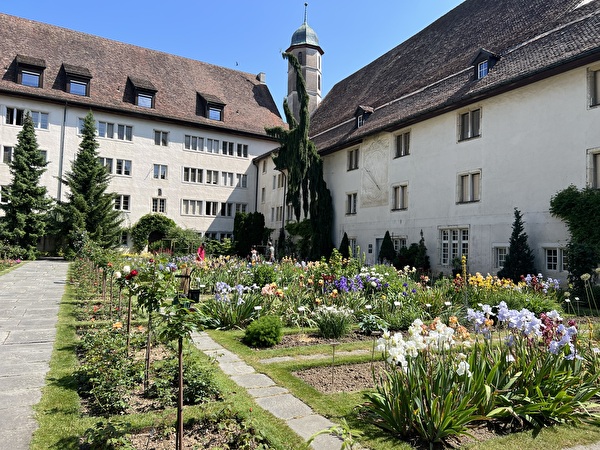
(284, 406)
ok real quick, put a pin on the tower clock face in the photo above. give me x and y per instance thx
(374, 178)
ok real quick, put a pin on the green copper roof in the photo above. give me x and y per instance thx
(304, 35)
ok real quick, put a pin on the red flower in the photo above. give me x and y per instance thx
(133, 273)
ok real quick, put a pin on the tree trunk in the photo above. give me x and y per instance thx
(179, 445)
(128, 321)
(148, 348)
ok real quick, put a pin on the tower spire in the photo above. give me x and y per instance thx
(305, 12)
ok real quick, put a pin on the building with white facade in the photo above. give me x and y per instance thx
(494, 106)
(178, 135)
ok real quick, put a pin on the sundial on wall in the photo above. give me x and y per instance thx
(374, 176)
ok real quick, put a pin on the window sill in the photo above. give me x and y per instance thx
(467, 202)
(469, 138)
(399, 209)
(350, 213)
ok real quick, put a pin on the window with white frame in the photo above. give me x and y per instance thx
(106, 162)
(191, 207)
(39, 119)
(78, 86)
(30, 77)
(264, 166)
(242, 150)
(352, 245)
(241, 208)
(124, 132)
(227, 178)
(272, 214)
(469, 125)
(279, 213)
(159, 205)
(212, 208)
(555, 259)
(241, 180)
(454, 243)
(14, 116)
(227, 209)
(7, 154)
(106, 130)
(161, 138)
(594, 87)
(594, 169)
(280, 180)
(215, 112)
(403, 144)
(195, 143)
(123, 167)
(160, 172)
(274, 182)
(482, 69)
(122, 202)
(289, 212)
(351, 200)
(212, 177)
(145, 99)
(353, 156)
(262, 195)
(399, 243)
(212, 145)
(192, 175)
(469, 187)
(400, 197)
(3, 195)
(228, 148)
(500, 254)
(44, 154)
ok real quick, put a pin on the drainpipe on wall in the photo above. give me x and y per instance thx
(61, 155)
(256, 187)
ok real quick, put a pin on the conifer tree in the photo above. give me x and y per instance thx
(519, 260)
(345, 246)
(307, 190)
(387, 252)
(89, 208)
(26, 200)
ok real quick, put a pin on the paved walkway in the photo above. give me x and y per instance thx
(29, 299)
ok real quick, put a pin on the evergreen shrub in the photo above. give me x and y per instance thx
(265, 331)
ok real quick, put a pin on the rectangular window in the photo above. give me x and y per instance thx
(160, 172)
(242, 152)
(212, 177)
(191, 207)
(124, 132)
(353, 159)
(7, 155)
(470, 125)
(77, 87)
(212, 208)
(469, 187)
(44, 154)
(241, 207)
(215, 112)
(262, 195)
(280, 180)
(4, 195)
(351, 203)
(212, 146)
(595, 170)
(595, 88)
(159, 205)
(274, 182)
(279, 214)
(264, 166)
(106, 130)
(227, 209)
(241, 180)
(192, 175)
(403, 144)
(227, 148)
(123, 167)
(556, 259)
(272, 214)
(14, 116)
(352, 245)
(399, 243)
(145, 100)
(161, 138)
(122, 202)
(482, 69)
(500, 256)
(40, 119)
(454, 243)
(400, 197)
(31, 78)
(227, 179)
(289, 212)
(106, 162)
(195, 143)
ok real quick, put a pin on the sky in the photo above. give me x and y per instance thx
(246, 35)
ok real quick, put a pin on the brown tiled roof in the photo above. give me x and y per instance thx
(249, 104)
(432, 73)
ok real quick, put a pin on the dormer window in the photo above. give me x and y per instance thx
(483, 63)
(210, 106)
(362, 114)
(144, 92)
(30, 71)
(78, 80)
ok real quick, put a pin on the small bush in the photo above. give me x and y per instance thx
(333, 322)
(263, 332)
(264, 274)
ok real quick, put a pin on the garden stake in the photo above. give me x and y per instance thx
(333, 344)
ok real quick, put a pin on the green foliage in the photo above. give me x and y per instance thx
(520, 260)
(307, 190)
(369, 323)
(333, 322)
(345, 246)
(248, 229)
(387, 252)
(89, 207)
(183, 241)
(199, 385)
(421, 258)
(218, 248)
(25, 202)
(301, 232)
(231, 307)
(263, 274)
(157, 224)
(266, 331)
(109, 435)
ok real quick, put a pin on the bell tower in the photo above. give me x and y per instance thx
(305, 46)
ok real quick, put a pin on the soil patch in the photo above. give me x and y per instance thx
(343, 378)
(307, 339)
